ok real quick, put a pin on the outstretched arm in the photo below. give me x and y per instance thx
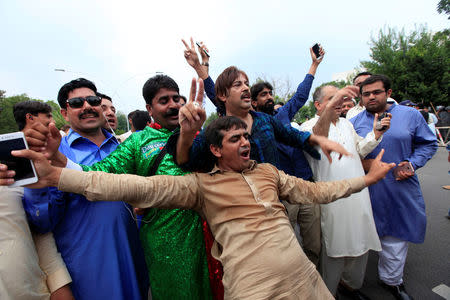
(296, 190)
(156, 191)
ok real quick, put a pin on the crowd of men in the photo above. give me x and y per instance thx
(217, 206)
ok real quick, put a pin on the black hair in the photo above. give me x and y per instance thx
(184, 98)
(139, 119)
(103, 96)
(64, 91)
(375, 78)
(425, 115)
(258, 87)
(21, 109)
(361, 74)
(130, 115)
(215, 131)
(154, 84)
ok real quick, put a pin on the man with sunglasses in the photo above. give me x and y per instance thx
(397, 201)
(99, 243)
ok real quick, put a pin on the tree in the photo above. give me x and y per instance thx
(7, 121)
(417, 63)
(211, 118)
(444, 7)
(121, 122)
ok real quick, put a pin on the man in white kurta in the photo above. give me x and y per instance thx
(348, 227)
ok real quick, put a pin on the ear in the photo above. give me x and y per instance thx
(254, 103)
(389, 92)
(64, 114)
(215, 150)
(222, 98)
(29, 117)
(149, 109)
(317, 105)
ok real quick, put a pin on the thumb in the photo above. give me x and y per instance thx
(54, 131)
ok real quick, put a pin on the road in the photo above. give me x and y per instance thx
(427, 264)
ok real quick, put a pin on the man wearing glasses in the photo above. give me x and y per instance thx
(397, 201)
(359, 78)
(99, 242)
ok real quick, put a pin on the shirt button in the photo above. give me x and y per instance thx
(37, 213)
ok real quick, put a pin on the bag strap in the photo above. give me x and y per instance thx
(158, 160)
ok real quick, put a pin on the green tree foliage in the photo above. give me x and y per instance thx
(418, 64)
(121, 122)
(7, 121)
(211, 118)
(444, 7)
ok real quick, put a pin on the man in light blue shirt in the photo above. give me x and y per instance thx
(99, 242)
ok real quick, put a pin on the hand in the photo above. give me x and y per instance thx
(192, 59)
(402, 175)
(328, 146)
(384, 122)
(192, 115)
(316, 60)
(6, 176)
(205, 58)
(378, 169)
(48, 175)
(350, 91)
(190, 54)
(43, 139)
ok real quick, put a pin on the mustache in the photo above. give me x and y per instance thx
(245, 95)
(171, 112)
(88, 112)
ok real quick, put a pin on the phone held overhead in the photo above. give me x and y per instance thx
(24, 168)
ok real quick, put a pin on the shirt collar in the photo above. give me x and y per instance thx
(72, 136)
(216, 169)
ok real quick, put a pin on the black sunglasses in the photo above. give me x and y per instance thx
(79, 101)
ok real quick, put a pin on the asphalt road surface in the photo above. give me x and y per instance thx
(427, 264)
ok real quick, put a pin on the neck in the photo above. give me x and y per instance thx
(97, 137)
(244, 115)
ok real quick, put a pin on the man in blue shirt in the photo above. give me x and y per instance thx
(233, 95)
(397, 201)
(99, 242)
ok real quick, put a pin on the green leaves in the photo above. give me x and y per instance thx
(418, 63)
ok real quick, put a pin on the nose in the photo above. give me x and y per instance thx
(244, 141)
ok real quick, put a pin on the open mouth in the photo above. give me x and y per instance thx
(245, 153)
(246, 97)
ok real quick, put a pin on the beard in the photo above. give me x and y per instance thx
(267, 107)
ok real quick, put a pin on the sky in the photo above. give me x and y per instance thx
(120, 44)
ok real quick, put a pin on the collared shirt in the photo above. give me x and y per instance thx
(254, 239)
(398, 206)
(348, 228)
(266, 131)
(99, 242)
(22, 254)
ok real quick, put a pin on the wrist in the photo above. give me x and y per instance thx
(368, 180)
(54, 176)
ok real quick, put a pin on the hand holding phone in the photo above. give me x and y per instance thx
(24, 168)
(378, 125)
(316, 50)
(403, 170)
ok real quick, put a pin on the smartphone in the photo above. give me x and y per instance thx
(316, 50)
(204, 50)
(380, 117)
(25, 172)
(406, 168)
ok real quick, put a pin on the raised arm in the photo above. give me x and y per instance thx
(328, 115)
(202, 69)
(287, 112)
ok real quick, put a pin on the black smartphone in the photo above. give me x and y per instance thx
(316, 50)
(380, 117)
(206, 52)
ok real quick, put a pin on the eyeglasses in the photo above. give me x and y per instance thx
(375, 93)
(79, 101)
